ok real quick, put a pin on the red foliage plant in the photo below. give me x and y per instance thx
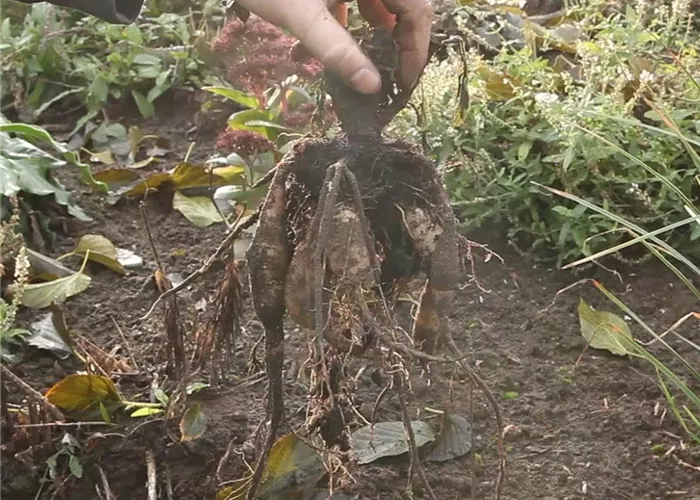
(257, 55)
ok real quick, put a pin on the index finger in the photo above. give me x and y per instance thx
(312, 23)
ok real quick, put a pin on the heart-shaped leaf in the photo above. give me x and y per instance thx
(199, 210)
(80, 392)
(99, 249)
(387, 439)
(193, 423)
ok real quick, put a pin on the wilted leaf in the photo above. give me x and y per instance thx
(40, 295)
(139, 188)
(387, 439)
(43, 335)
(199, 210)
(45, 267)
(292, 464)
(293, 468)
(80, 392)
(187, 176)
(604, 330)
(99, 249)
(455, 439)
(193, 423)
(117, 178)
(498, 86)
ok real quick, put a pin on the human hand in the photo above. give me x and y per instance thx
(319, 26)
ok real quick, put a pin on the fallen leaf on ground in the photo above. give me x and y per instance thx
(44, 267)
(292, 471)
(99, 249)
(454, 440)
(199, 210)
(81, 392)
(387, 439)
(604, 330)
(43, 335)
(40, 295)
(193, 423)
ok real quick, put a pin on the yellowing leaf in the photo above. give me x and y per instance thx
(193, 423)
(498, 86)
(100, 250)
(230, 173)
(152, 182)
(187, 175)
(199, 210)
(40, 295)
(292, 464)
(604, 330)
(292, 470)
(116, 178)
(80, 392)
(146, 412)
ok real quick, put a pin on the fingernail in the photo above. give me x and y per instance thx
(365, 81)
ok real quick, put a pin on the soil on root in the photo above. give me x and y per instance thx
(591, 433)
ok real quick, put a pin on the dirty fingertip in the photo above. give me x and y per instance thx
(366, 81)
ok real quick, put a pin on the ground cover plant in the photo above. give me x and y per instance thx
(271, 287)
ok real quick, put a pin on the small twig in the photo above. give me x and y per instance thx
(149, 233)
(32, 393)
(65, 424)
(252, 219)
(105, 485)
(151, 471)
(224, 460)
(126, 344)
(415, 459)
(496, 410)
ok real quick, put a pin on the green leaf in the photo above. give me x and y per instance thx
(33, 133)
(605, 330)
(146, 412)
(248, 100)
(387, 439)
(195, 387)
(40, 295)
(104, 413)
(76, 468)
(454, 440)
(147, 59)
(193, 423)
(146, 107)
(199, 210)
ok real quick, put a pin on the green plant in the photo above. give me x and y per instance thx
(678, 381)
(537, 118)
(29, 156)
(13, 253)
(56, 58)
(69, 448)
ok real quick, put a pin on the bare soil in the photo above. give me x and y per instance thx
(598, 430)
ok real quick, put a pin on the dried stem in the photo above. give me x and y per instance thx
(151, 471)
(32, 393)
(228, 241)
(399, 383)
(126, 344)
